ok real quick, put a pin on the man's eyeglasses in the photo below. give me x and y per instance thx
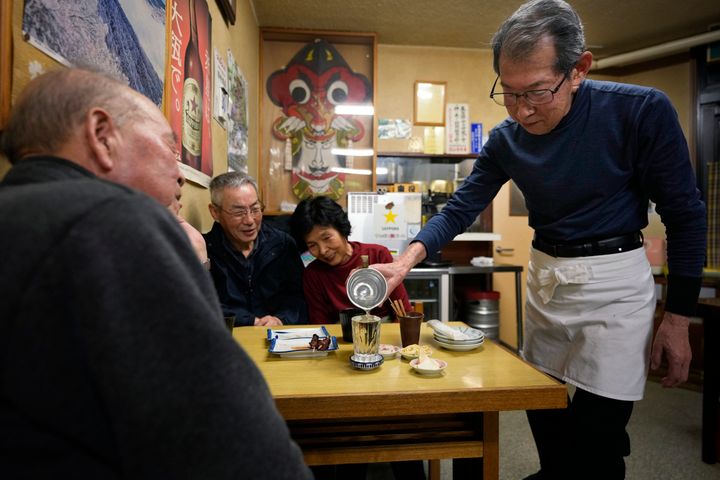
(255, 211)
(533, 97)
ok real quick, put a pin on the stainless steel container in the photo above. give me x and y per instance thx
(482, 311)
(366, 288)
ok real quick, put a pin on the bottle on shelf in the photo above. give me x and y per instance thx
(192, 117)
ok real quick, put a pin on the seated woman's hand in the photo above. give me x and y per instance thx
(268, 321)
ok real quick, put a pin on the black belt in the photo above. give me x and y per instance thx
(590, 248)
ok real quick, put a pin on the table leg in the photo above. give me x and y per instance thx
(434, 470)
(491, 446)
(711, 389)
(518, 311)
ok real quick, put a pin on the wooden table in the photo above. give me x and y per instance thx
(339, 415)
(709, 310)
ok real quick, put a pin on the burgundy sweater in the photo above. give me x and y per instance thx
(324, 285)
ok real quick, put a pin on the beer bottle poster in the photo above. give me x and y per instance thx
(188, 86)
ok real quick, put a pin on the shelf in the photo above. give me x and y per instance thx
(427, 155)
(434, 157)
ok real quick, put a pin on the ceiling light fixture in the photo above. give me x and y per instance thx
(352, 171)
(367, 110)
(657, 51)
(353, 152)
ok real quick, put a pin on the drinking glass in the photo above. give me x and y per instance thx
(366, 338)
(410, 328)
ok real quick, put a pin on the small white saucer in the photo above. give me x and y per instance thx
(389, 351)
(441, 364)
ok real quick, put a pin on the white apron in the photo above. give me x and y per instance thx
(589, 320)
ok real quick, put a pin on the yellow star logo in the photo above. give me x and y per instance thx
(390, 217)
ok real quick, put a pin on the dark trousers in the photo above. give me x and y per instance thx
(586, 440)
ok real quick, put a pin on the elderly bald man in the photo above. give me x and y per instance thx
(116, 360)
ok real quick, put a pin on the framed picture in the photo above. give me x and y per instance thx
(317, 122)
(429, 103)
(227, 8)
(5, 61)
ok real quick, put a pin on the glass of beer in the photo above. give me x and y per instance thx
(366, 338)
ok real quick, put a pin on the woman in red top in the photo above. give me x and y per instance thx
(323, 226)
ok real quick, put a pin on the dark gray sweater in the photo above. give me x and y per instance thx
(114, 359)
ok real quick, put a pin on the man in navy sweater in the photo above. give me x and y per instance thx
(588, 157)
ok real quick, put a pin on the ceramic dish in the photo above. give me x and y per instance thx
(366, 365)
(299, 347)
(290, 333)
(458, 347)
(455, 333)
(389, 351)
(442, 338)
(424, 369)
(413, 351)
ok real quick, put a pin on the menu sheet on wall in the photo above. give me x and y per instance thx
(458, 128)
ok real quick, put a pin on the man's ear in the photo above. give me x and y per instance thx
(581, 70)
(101, 133)
(214, 212)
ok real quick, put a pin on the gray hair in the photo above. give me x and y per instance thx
(229, 180)
(519, 34)
(54, 105)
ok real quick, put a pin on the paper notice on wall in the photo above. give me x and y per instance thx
(390, 220)
(458, 128)
(476, 137)
(220, 90)
(434, 140)
(394, 128)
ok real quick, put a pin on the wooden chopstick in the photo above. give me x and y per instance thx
(398, 307)
(394, 307)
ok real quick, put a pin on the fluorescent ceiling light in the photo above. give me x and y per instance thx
(381, 171)
(352, 171)
(355, 110)
(353, 152)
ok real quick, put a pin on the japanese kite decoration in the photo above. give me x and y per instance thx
(307, 90)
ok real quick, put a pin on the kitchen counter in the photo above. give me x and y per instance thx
(444, 275)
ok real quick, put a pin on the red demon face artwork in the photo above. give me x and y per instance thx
(307, 89)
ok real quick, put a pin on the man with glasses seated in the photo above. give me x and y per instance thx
(256, 269)
(588, 156)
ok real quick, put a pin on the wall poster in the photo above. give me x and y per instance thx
(237, 127)
(307, 147)
(125, 38)
(188, 89)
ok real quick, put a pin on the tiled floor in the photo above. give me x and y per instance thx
(664, 431)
